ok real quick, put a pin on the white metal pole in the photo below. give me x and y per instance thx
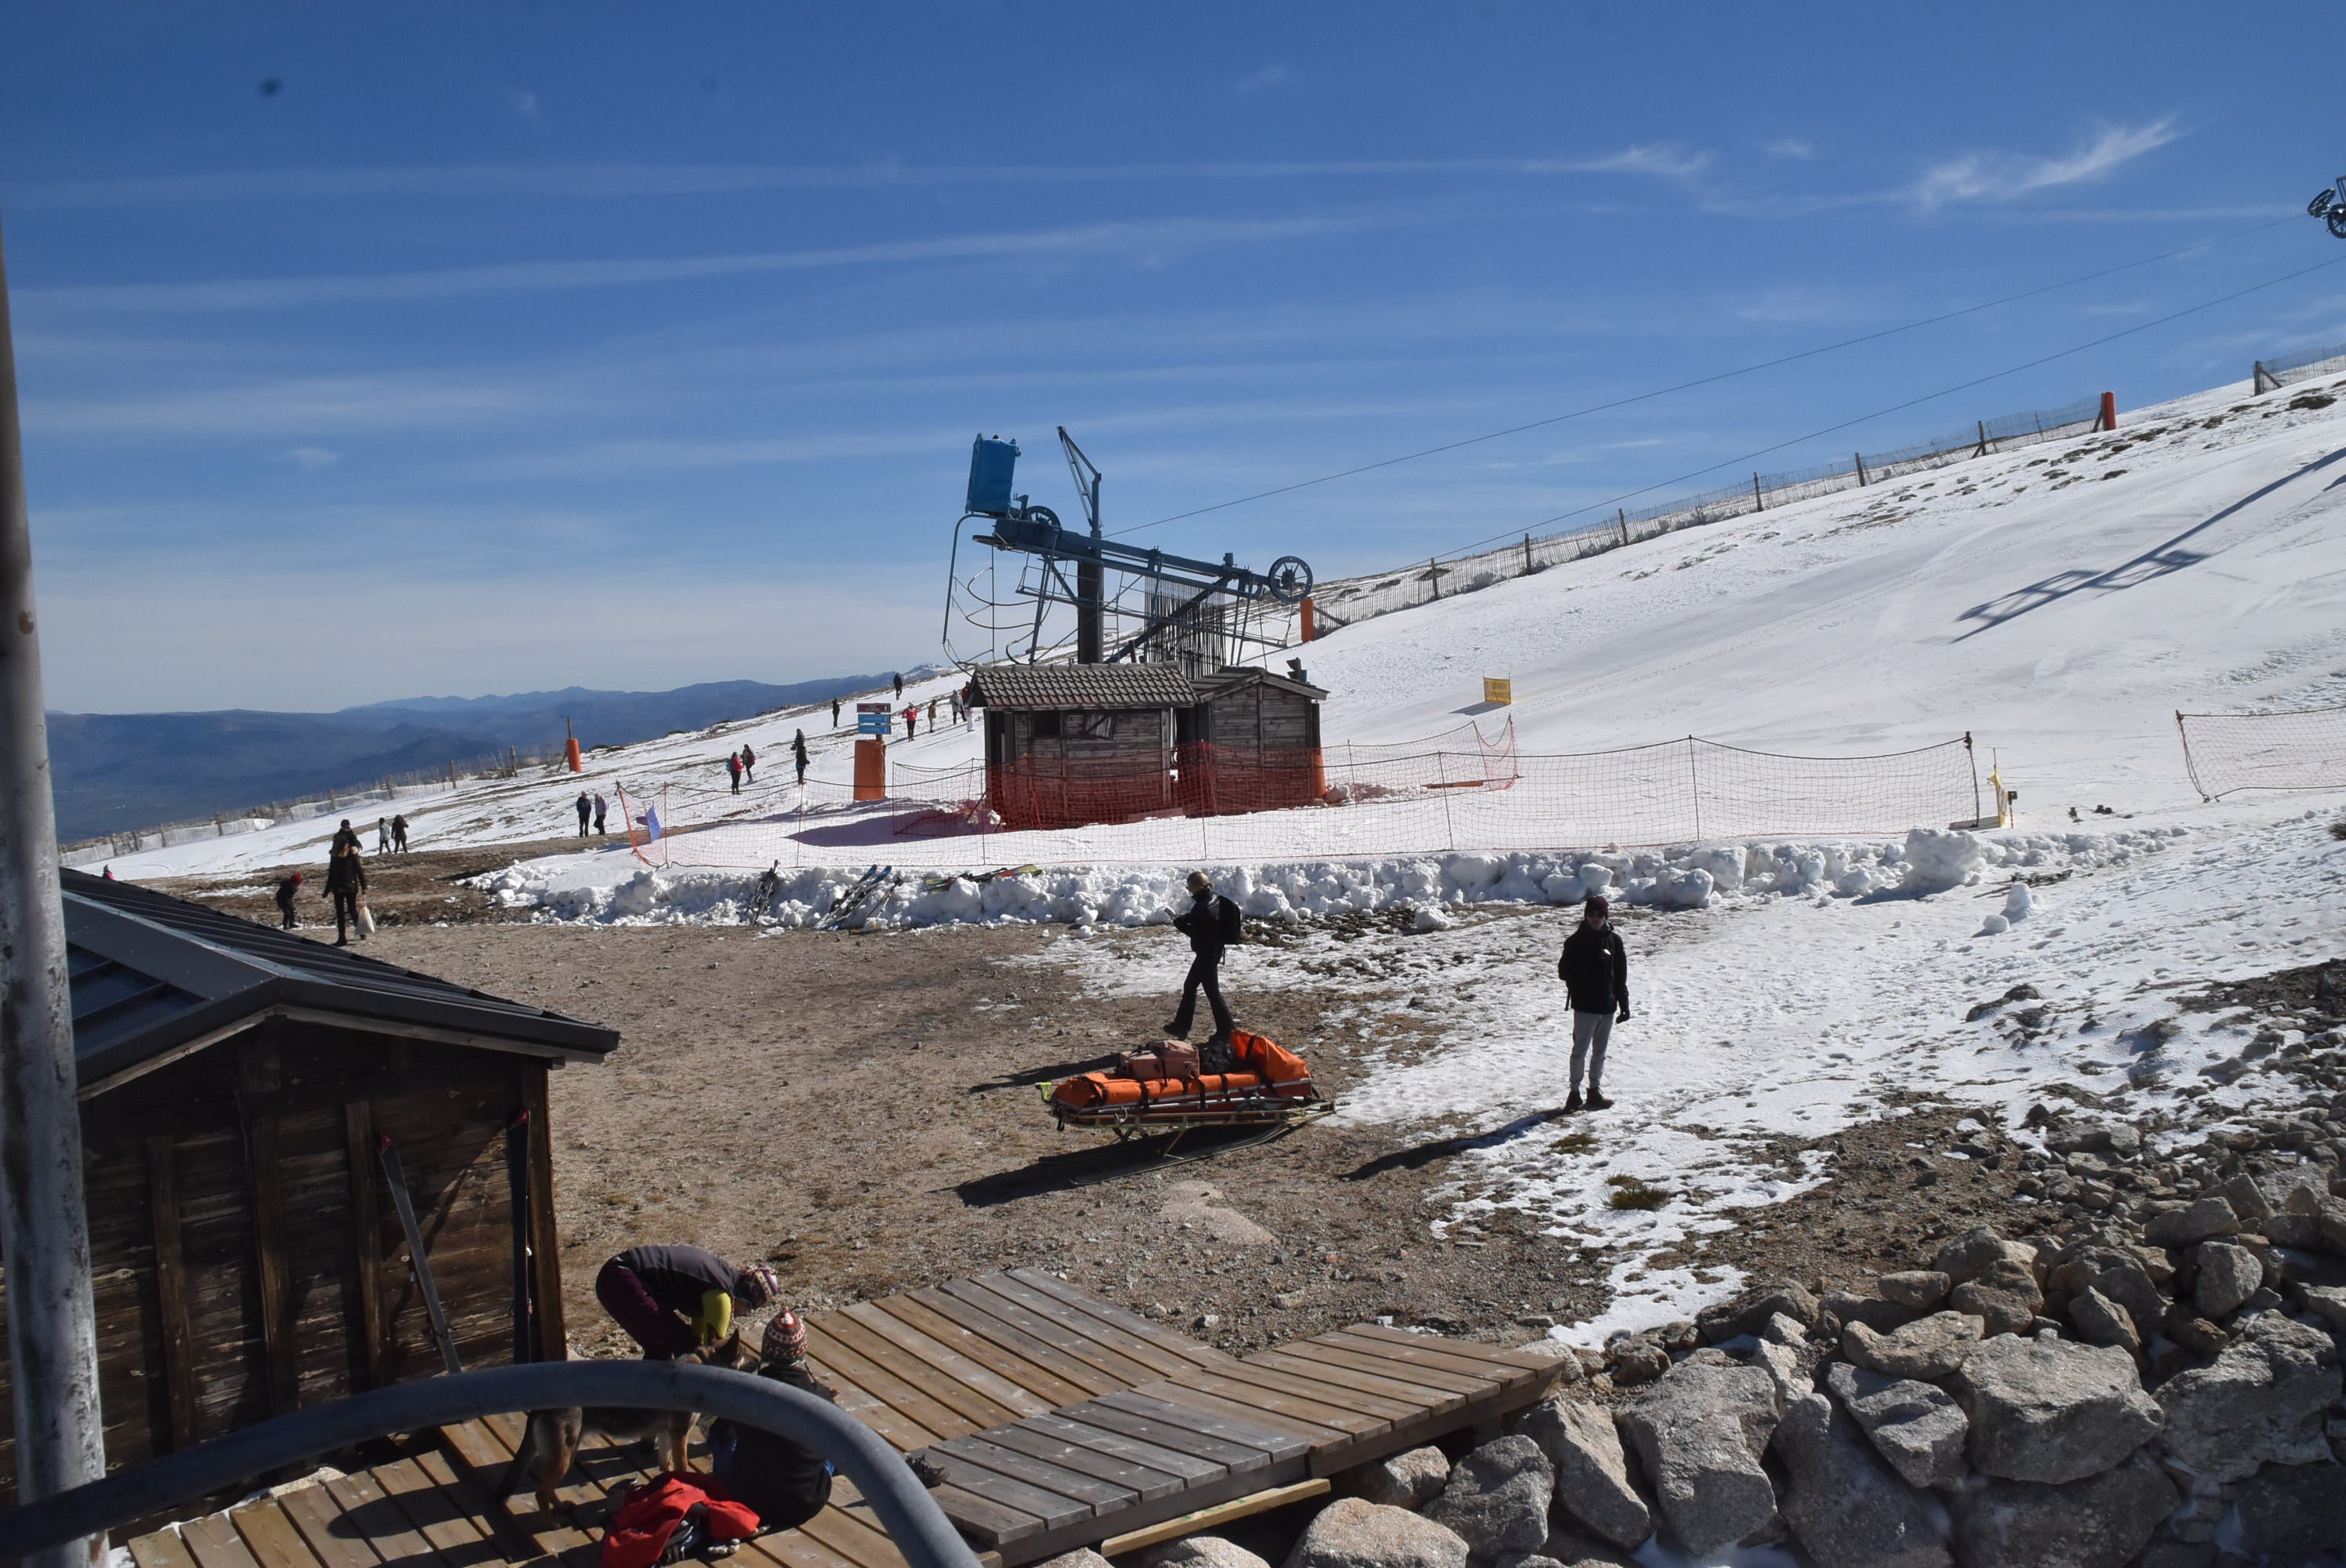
(43, 1227)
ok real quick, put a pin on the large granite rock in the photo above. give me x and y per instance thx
(1977, 1250)
(2208, 1216)
(1498, 1497)
(1409, 1480)
(2117, 1274)
(1081, 1557)
(2052, 1410)
(2002, 1295)
(1700, 1432)
(2098, 1523)
(1928, 1348)
(1748, 1312)
(2102, 1321)
(2229, 1275)
(2294, 1511)
(1592, 1470)
(1920, 1289)
(1201, 1552)
(1351, 1533)
(1916, 1426)
(1847, 1510)
(2261, 1402)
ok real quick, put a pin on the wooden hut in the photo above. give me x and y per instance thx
(1251, 744)
(1078, 743)
(240, 1087)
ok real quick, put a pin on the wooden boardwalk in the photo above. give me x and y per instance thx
(1060, 1421)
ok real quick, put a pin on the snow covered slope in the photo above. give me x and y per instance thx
(2059, 603)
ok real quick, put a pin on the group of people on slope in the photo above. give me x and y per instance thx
(590, 807)
(737, 766)
(1593, 967)
(346, 880)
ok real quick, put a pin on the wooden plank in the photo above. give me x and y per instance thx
(215, 1543)
(386, 1528)
(366, 1240)
(1253, 1392)
(1265, 1377)
(793, 1549)
(1421, 1355)
(1178, 1462)
(271, 1537)
(163, 1549)
(265, 1178)
(947, 1390)
(983, 1519)
(484, 1452)
(910, 1402)
(1100, 1496)
(1018, 1341)
(333, 1541)
(1237, 1428)
(1204, 1402)
(458, 1539)
(1518, 1360)
(1220, 1514)
(1051, 1508)
(1132, 1360)
(1048, 1386)
(1416, 1396)
(1128, 1322)
(545, 1235)
(171, 1289)
(1360, 1354)
(1155, 1428)
(852, 1538)
(871, 1410)
(998, 1390)
(1066, 1454)
(518, 1541)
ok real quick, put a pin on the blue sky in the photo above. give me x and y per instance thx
(369, 352)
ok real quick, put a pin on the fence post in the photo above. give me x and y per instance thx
(1694, 786)
(1433, 574)
(1527, 555)
(452, 773)
(332, 805)
(1621, 516)
(1860, 469)
(1759, 501)
(1980, 450)
(217, 831)
(2262, 376)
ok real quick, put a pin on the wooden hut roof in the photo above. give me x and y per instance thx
(1101, 688)
(155, 978)
(1222, 680)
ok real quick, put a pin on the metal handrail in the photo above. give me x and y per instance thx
(914, 1522)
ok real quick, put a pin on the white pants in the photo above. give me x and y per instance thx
(1590, 1030)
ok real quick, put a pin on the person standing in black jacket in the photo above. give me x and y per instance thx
(345, 880)
(1211, 925)
(1594, 969)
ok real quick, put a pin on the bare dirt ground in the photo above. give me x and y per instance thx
(863, 1111)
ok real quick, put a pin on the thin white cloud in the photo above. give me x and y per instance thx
(1262, 80)
(600, 183)
(310, 459)
(278, 409)
(1791, 146)
(284, 293)
(2007, 176)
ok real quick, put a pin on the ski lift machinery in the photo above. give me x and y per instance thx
(1160, 601)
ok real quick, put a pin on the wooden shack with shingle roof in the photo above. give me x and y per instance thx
(237, 1085)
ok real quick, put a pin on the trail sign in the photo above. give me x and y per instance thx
(873, 718)
(1499, 691)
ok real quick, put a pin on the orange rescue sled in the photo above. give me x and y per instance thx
(1163, 1089)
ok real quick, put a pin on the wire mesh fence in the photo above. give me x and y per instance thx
(383, 791)
(1343, 601)
(2305, 364)
(1459, 791)
(2228, 752)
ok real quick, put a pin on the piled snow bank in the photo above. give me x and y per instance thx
(577, 889)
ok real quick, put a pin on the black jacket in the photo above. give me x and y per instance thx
(678, 1277)
(345, 873)
(786, 1481)
(1594, 969)
(1208, 924)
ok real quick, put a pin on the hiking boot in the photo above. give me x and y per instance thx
(1598, 1102)
(1572, 1102)
(1177, 1030)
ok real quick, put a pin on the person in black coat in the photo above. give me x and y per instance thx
(345, 881)
(286, 890)
(1594, 969)
(1211, 925)
(786, 1481)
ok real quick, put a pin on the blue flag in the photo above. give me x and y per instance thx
(651, 824)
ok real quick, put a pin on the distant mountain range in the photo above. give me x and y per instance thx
(116, 772)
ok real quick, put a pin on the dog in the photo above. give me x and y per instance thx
(550, 1443)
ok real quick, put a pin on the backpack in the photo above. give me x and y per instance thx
(1230, 923)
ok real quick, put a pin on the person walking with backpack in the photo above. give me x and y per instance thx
(798, 755)
(1212, 924)
(602, 808)
(834, 713)
(1594, 969)
(748, 761)
(383, 835)
(399, 833)
(733, 769)
(345, 881)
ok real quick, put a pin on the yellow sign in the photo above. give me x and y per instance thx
(1499, 691)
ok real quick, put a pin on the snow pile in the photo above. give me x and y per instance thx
(583, 887)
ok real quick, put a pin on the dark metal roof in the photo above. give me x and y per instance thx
(154, 976)
(1212, 686)
(1100, 686)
